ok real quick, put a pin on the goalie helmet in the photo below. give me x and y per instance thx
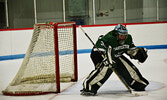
(121, 32)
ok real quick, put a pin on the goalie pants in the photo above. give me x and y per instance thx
(124, 68)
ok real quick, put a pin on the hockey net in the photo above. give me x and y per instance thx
(50, 59)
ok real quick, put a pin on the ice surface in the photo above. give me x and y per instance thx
(154, 69)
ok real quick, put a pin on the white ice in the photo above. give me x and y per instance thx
(154, 69)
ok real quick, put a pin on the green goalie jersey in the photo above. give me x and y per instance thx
(110, 39)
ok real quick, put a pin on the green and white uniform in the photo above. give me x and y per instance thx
(111, 40)
(128, 72)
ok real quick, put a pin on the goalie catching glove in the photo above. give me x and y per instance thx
(138, 53)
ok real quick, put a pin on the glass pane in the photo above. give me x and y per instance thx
(77, 10)
(163, 10)
(109, 11)
(49, 10)
(21, 13)
(149, 10)
(2, 15)
(134, 11)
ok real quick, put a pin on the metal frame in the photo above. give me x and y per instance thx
(124, 11)
(157, 10)
(35, 12)
(6, 12)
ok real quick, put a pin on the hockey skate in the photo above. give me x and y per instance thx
(87, 93)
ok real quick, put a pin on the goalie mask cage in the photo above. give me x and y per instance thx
(50, 59)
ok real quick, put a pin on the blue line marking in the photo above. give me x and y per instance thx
(69, 52)
(12, 57)
(41, 54)
(155, 46)
(84, 51)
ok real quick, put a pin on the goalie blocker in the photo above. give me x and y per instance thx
(139, 54)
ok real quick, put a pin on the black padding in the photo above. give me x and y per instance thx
(141, 55)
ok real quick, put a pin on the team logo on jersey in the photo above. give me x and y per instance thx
(120, 50)
(121, 47)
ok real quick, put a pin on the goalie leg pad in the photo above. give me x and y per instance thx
(130, 74)
(97, 78)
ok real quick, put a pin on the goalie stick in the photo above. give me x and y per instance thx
(135, 93)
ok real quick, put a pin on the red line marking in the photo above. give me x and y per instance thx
(100, 25)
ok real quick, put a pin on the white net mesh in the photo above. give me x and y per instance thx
(66, 45)
(37, 73)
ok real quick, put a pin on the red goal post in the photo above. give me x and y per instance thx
(61, 26)
(50, 59)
